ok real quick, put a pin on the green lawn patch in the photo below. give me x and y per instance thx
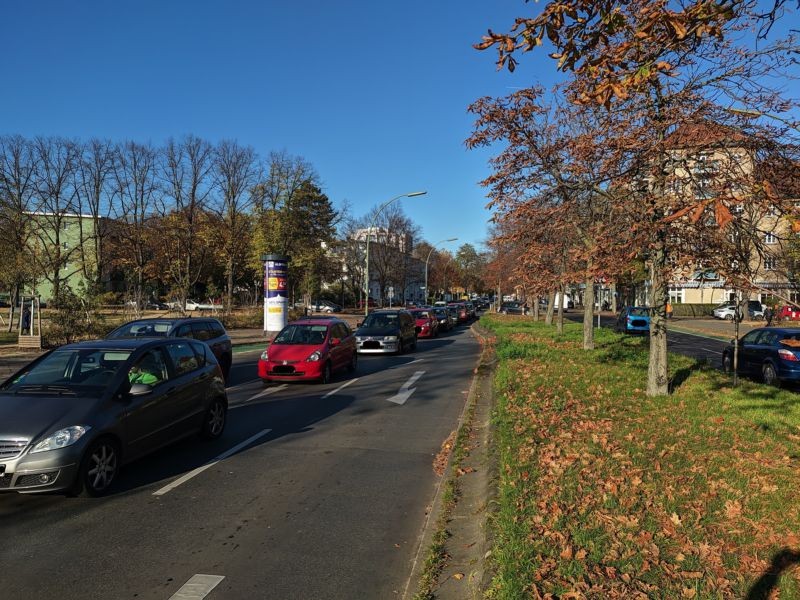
(607, 493)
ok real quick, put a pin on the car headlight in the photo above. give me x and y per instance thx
(315, 356)
(265, 355)
(390, 338)
(61, 438)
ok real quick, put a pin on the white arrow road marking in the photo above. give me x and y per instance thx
(406, 390)
(341, 387)
(198, 587)
(267, 392)
(199, 470)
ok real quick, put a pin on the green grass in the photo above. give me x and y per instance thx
(606, 492)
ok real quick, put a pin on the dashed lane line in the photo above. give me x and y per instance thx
(341, 387)
(221, 457)
(198, 587)
(267, 392)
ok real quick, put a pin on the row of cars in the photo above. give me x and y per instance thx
(314, 348)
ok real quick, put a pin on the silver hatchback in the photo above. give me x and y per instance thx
(70, 419)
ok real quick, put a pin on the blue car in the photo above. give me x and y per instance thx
(771, 353)
(633, 319)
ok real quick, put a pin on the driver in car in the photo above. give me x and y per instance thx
(145, 371)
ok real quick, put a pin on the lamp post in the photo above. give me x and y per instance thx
(369, 235)
(428, 258)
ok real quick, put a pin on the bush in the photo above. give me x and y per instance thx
(693, 310)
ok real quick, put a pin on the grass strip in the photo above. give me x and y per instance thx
(604, 492)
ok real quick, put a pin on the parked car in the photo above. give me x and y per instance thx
(370, 303)
(192, 305)
(326, 306)
(70, 419)
(772, 353)
(309, 349)
(452, 312)
(633, 319)
(727, 310)
(156, 305)
(204, 329)
(426, 322)
(463, 313)
(787, 312)
(385, 331)
(443, 317)
(512, 308)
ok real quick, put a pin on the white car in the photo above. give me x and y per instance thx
(195, 305)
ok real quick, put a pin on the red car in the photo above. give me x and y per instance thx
(309, 349)
(788, 313)
(426, 322)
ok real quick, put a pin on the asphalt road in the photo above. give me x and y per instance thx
(324, 494)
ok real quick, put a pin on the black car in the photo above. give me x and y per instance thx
(441, 314)
(771, 353)
(385, 331)
(205, 329)
(512, 308)
(70, 419)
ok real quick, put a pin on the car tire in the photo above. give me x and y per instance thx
(215, 419)
(400, 347)
(727, 363)
(353, 364)
(325, 378)
(770, 375)
(98, 469)
(729, 317)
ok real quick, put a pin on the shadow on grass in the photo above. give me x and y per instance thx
(783, 560)
(684, 373)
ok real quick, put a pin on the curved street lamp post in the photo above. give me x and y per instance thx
(428, 258)
(369, 235)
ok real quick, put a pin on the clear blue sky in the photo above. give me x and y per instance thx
(372, 93)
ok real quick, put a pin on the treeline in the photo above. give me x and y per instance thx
(183, 218)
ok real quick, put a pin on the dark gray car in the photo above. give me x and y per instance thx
(70, 419)
(387, 331)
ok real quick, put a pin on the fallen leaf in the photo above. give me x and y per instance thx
(458, 576)
(566, 554)
(675, 519)
(688, 593)
(580, 554)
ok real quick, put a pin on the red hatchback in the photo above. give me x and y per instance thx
(426, 322)
(309, 349)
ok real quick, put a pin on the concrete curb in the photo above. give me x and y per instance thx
(474, 553)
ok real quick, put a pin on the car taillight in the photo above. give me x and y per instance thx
(788, 355)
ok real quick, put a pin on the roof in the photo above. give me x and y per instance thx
(116, 343)
(705, 134)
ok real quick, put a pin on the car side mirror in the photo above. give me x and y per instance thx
(140, 389)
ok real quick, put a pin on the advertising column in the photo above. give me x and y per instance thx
(275, 292)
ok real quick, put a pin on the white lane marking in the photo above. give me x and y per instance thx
(710, 350)
(267, 392)
(406, 390)
(221, 457)
(341, 387)
(198, 587)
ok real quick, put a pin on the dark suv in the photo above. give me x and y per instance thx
(204, 329)
(385, 331)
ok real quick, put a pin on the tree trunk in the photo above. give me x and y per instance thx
(551, 300)
(614, 298)
(588, 315)
(229, 299)
(536, 309)
(560, 320)
(657, 370)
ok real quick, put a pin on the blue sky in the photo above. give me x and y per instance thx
(373, 94)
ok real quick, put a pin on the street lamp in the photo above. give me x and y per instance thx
(428, 258)
(369, 234)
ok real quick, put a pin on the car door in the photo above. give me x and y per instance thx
(190, 379)
(146, 419)
(750, 352)
(339, 353)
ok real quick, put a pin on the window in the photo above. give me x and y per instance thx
(183, 357)
(676, 295)
(201, 332)
(185, 331)
(202, 352)
(64, 246)
(769, 238)
(750, 338)
(150, 369)
(770, 263)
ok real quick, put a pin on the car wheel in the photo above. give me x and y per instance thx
(215, 419)
(414, 345)
(770, 376)
(729, 317)
(727, 363)
(353, 365)
(400, 346)
(326, 374)
(99, 468)
(328, 310)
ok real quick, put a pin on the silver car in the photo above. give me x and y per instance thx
(70, 419)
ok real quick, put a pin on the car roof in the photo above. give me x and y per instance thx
(316, 321)
(118, 343)
(173, 320)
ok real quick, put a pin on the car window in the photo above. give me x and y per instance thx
(216, 328)
(201, 332)
(184, 331)
(142, 329)
(301, 334)
(150, 369)
(750, 338)
(202, 352)
(183, 357)
(768, 338)
(639, 312)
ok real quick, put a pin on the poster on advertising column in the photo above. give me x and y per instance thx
(276, 269)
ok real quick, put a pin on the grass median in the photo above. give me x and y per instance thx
(607, 493)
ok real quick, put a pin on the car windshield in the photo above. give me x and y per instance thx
(380, 320)
(302, 334)
(421, 314)
(69, 371)
(638, 311)
(142, 329)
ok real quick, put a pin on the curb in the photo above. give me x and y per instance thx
(431, 558)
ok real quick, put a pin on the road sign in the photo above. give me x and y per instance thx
(390, 293)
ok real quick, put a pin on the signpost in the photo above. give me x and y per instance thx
(390, 295)
(276, 269)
